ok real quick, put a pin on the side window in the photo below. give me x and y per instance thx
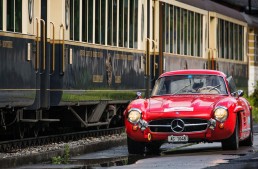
(232, 85)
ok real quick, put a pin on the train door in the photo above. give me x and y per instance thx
(43, 56)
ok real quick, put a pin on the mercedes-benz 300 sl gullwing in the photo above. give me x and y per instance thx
(189, 106)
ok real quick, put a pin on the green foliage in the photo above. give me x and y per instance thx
(66, 154)
(57, 160)
(253, 100)
(100, 95)
(255, 95)
(64, 159)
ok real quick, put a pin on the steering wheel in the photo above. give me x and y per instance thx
(208, 89)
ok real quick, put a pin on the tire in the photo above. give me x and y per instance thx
(153, 147)
(135, 147)
(232, 143)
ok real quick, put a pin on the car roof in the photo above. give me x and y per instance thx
(193, 71)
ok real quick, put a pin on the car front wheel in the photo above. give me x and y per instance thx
(135, 147)
(232, 143)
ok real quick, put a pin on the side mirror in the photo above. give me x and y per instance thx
(139, 95)
(240, 93)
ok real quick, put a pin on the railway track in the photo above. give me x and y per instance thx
(12, 145)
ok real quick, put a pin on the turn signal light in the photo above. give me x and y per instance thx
(149, 137)
(221, 125)
(135, 128)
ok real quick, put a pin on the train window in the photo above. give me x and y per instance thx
(189, 33)
(178, 30)
(198, 33)
(109, 24)
(185, 16)
(131, 23)
(126, 23)
(90, 21)
(114, 22)
(230, 40)
(192, 33)
(97, 21)
(166, 27)
(84, 21)
(142, 23)
(175, 30)
(1, 15)
(135, 24)
(74, 19)
(121, 24)
(103, 16)
(100, 7)
(183, 31)
(171, 28)
(236, 41)
(241, 37)
(14, 15)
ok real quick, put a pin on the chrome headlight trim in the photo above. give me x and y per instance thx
(221, 114)
(134, 115)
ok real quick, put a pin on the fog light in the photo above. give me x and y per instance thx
(149, 137)
(221, 125)
(135, 128)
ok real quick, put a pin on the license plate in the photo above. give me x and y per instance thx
(178, 139)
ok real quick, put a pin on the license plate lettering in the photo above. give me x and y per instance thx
(178, 139)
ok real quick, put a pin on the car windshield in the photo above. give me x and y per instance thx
(189, 84)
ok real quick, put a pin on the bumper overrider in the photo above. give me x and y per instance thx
(205, 130)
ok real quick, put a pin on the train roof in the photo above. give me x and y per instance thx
(251, 20)
(215, 7)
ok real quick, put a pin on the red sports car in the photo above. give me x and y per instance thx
(189, 106)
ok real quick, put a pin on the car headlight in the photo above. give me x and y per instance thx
(134, 115)
(221, 114)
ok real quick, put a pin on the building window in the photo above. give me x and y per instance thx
(14, 15)
(74, 19)
(1, 15)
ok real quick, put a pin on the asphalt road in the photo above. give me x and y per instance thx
(190, 156)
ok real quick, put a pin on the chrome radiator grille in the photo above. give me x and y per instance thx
(178, 125)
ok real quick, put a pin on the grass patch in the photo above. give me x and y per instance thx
(99, 95)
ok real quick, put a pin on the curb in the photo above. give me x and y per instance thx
(46, 156)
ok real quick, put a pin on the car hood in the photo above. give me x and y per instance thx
(186, 103)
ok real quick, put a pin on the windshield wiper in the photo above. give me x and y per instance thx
(181, 89)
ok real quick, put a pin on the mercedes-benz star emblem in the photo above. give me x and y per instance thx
(177, 125)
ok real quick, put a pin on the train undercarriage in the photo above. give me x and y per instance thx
(17, 123)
